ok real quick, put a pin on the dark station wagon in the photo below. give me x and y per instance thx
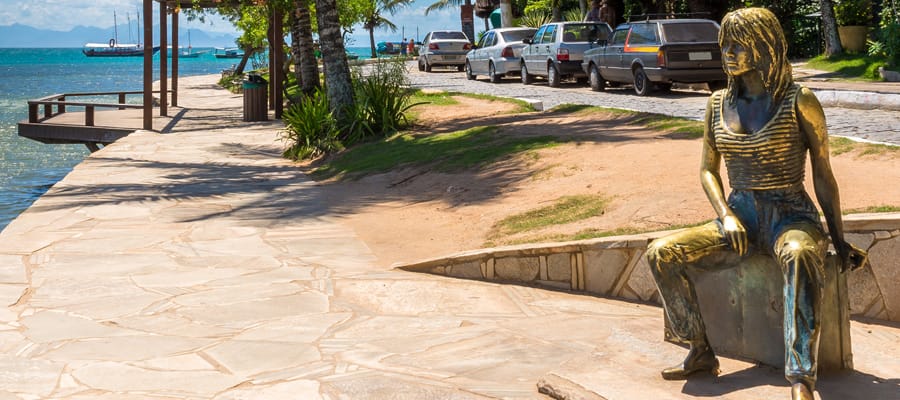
(653, 54)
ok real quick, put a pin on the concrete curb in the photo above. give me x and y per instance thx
(858, 99)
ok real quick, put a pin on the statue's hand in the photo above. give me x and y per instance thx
(735, 233)
(852, 257)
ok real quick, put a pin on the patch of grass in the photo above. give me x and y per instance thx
(841, 145)
(584, 234)
(680, 127)
(853, 66)
(567, 209)
(873, 209)
(522, 106)
(445, 152)
(438, 98)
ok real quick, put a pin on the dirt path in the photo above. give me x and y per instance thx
(650, 177)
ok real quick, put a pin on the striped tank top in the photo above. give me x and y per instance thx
(772, 158)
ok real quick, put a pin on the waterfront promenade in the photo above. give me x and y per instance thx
(199, 264)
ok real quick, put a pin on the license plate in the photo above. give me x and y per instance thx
(700, 56)
(451, 57)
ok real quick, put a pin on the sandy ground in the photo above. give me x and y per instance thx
(650, 177)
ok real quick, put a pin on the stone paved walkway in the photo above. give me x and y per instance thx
(198, 264)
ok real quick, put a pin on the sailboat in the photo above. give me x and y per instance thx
(189, 53)
(113, 48)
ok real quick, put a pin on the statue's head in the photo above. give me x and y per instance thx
(759, 32)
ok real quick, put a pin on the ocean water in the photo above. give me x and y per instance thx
(29, 168)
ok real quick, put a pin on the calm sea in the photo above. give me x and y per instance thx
(29, 168)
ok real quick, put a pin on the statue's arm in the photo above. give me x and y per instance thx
(811, 118)
(711, 181)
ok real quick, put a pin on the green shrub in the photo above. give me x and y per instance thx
(310, 128)
(853, 12)
(382, 100)
(888, 34)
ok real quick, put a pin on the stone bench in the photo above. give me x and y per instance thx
(742, 308)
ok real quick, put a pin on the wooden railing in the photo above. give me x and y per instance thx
(59, 100)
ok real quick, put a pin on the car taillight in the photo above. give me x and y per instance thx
(467, 46)
(507, 52)
(661, 58)
(562, 55)
(433, 46)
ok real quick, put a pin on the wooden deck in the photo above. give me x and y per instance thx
(69, 127)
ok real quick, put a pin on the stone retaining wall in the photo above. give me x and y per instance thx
(616, 267)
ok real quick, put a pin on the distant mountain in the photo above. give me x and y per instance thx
(17, 35)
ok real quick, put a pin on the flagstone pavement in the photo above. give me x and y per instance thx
(198, 264)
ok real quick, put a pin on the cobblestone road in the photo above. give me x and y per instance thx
(872, 125)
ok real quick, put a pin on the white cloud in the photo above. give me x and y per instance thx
(63, 15)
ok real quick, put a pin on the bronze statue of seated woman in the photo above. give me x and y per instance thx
(763, 125)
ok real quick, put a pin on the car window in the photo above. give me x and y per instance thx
(484, 39)
(494, 39)
(584, 32)
(549, 34)
(643, 34)
(449, 35)
(618, 37)
(517, 36)
(427, 38)
(691, 32)
(538, 35)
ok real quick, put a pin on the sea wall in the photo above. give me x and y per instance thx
(616, 266)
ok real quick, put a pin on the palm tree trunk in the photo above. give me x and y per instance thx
(337, 71)
(506, 15)
(295, 47)
(309, 66)
(372, 42)
(829, 29)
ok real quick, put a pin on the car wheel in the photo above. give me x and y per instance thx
(427, 66)
(469, 75)
(642, 84)
(597, 82)
(461, 68)
(492, 72)
(526, 78)
(421, 65)
(553, 77)
(716, 85)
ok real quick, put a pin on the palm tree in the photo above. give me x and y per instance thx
(468, 29)
(372, 17)
(338, 85)
(305, 64)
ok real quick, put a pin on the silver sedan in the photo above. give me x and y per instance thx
(497, 53)
(443, 48)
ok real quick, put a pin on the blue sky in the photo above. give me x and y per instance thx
(63, 15)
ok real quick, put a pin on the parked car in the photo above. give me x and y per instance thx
(556, 50)
(497, 54)
(655, 53)
(446, 48)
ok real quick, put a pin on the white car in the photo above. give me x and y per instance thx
(444, 48)
(498, 53)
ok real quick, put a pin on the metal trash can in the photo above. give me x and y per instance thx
(256, 98)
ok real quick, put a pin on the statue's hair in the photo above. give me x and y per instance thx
(759, 31)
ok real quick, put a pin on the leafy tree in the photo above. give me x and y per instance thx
(469, 30)
(373, 17)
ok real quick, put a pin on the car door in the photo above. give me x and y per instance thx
(530, 51)
(487, 51)
(538, 64)
(612, 59)
(476, 60)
